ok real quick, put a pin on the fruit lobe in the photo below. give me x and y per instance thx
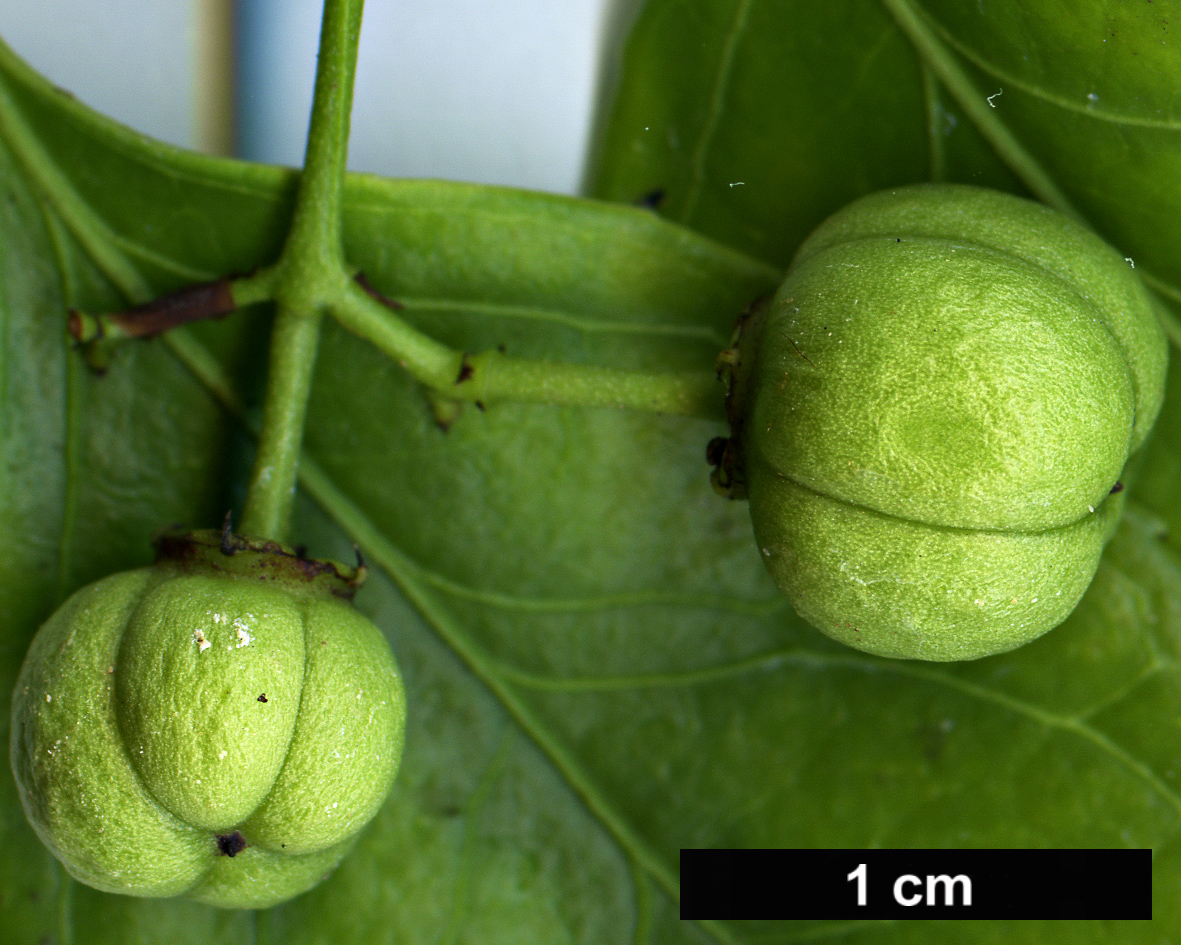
(218, 725)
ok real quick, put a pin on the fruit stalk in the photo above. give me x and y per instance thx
(310, 271)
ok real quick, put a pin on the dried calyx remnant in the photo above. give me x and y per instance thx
(226, 708)
(933, 419)
(223, 552)
(230, 844)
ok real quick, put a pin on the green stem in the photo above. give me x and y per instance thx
(311, 278)
(314, 242)
(493, 377)
(309, 273)
(255, 288)
(272, 481)
(496, 377)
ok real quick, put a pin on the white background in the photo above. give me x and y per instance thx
(494, 91)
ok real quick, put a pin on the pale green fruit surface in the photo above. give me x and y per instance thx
(162, 709)
(932, 415)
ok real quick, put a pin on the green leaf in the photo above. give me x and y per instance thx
(810, 105)
(95, 464)
(1091, 98)
(758, 119)
(599, 670)
(818, 103)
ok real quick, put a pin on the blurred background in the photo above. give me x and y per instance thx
(493, 92)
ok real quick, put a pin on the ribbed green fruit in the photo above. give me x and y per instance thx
(932, 417)
(218, 726)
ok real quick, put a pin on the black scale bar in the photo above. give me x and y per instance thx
(916, 884)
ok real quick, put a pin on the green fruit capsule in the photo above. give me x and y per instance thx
(218, 726)
(933, 416)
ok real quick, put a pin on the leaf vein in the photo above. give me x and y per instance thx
(929, 47)
(716, 103)
(167, 263)
(1051, 721)
(935, 113)
(72, 421)
(1155, 668)
(1034, 91)
(777, 659)
(564, 319)
(665, 680)
(525, 604)
(92, 232)
(475, 805)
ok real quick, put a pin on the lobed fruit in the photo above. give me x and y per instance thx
(218, 726)
(933, 417)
